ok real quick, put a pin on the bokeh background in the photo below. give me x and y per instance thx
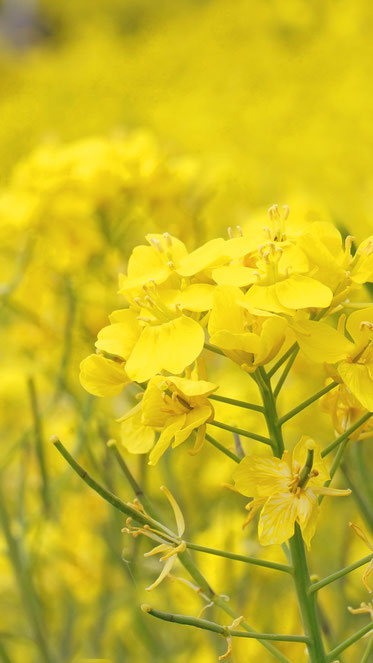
(120, 117)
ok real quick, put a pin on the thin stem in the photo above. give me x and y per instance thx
(223, 449)
(115, 501)
(112, 445)
(213, 348)
(346, 434)
(282, 360)
(233, 401)
(285, 373)
(350, 641)
(39, 444)
(359, 497)
(335, 465)
(363, 474)
(225, 631)
(368, 651)
(241, 558)
(339, 574)
(306, 602)
(241, 431)
(29, 597)
(307, 402)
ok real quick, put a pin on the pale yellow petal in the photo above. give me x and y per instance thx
(265, 297)
(259, 476)
(321, 342)
(357, 378)
(165, 438)
(298, 291)
(208, 255)
(179, 518)
(118, 339)
(235, 275)
(277, 519)
(164, 573)
(226, 313)
(193, 419)
(136, 437)
(192, 387)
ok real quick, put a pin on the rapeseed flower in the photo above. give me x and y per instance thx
(174, 407)
(286, 490)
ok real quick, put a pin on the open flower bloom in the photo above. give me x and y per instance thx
(248, 339)
(345, 410)
(175, 407)
(322, 343)
(286, 490)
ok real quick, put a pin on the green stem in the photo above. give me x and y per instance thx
(350, 641)
(364, 477)
(26, 588)
(307, 604)
(39, 444)
(368, 650)
(282, 360)
(307, 402)
(359, 497)
(346, 434)
(233, 401)
(285, 373)
(339, 574)
(225, 631)
(222, 448)
(270, 412)
(112, 445)
(240, 431)
(241, 558)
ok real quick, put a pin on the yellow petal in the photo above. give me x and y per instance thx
(101, 376)
(165, 571)
(199, 441)
(171, 346)
(226, 313)
(277, 519)
(179, 518)
(357, 378)
(298, 291)
(236, 275)
(193, 419)
(321, 342)
(300, 453)
(245, 342)
(210, 254)
(265, 297)
(354, 321)
(259, 476)
(192, 388)
(136, 437)
(197, 297)
(165, 438)
(120, 338)
(308, 521)
(272, 336)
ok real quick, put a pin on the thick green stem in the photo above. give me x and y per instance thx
(307, 604)
(270, 412)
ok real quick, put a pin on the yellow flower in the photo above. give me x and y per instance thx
(248, 339)
(322, 343)
(286, 489)
(175, 407)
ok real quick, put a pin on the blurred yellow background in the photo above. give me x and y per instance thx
(119, 117)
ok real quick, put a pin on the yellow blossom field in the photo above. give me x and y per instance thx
(186, 322)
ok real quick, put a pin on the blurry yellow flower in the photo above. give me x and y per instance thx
(250, 340)
(287, 489)
(175, 407)
(345, 410)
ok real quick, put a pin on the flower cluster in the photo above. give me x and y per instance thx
(248, 297)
